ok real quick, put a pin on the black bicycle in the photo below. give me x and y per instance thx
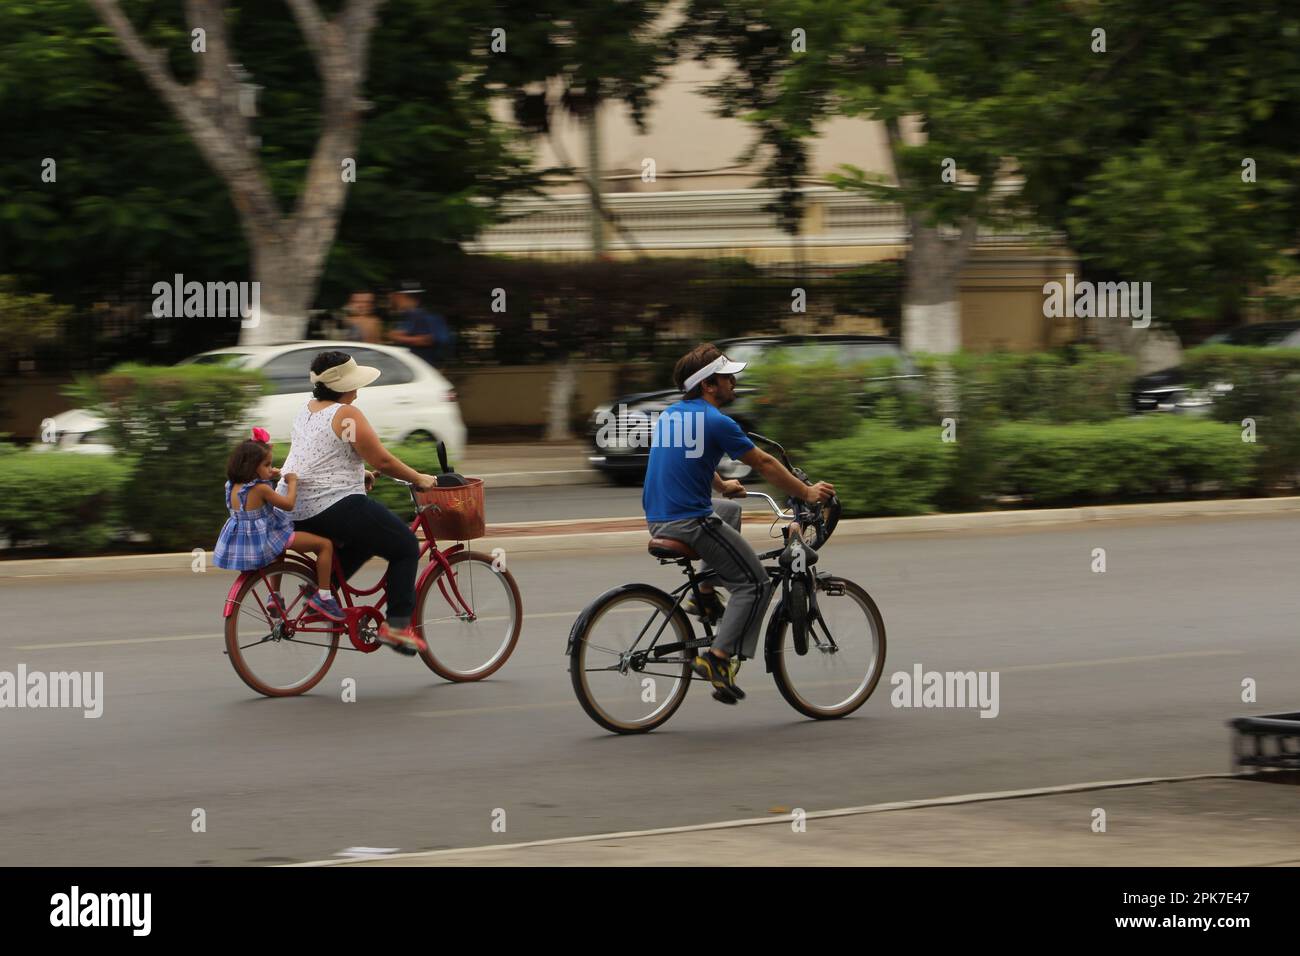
(630, 650)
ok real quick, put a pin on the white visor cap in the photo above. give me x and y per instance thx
(719, 366)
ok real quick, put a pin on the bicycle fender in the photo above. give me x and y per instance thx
(234, 590)
(287, 563)
(586, 614)
(772, 639)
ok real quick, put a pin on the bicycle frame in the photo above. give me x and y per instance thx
(776, 573)
(437, 563)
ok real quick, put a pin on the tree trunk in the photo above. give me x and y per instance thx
(564, 383)
(931, 296)
(931, 299)
(286, 288)
(288, 252)
(595, 217)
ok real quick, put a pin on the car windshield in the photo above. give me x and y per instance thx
(229, 359)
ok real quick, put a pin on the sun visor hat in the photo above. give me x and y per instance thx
(719, 366)
(346, 377)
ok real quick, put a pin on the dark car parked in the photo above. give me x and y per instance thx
(619, 431)
(1167, 389)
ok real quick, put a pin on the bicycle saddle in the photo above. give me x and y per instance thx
(671, 549)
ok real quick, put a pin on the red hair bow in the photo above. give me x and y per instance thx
(262, 435)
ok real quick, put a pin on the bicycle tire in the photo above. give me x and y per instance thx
(584, 627)
(503, 651)
(247, 673)
(776, 656)
(798, 611)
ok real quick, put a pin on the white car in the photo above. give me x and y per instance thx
(410, 399)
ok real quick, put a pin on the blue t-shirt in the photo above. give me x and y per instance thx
(419, 322)
(688, 441)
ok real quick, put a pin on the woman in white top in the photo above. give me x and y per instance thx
(332, 444)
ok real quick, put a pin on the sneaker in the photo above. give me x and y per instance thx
(403, 640)
(710, 608)
(721, 674)
(274, 607)
(325, 607)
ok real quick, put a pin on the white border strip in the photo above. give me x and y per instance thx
(811, 815)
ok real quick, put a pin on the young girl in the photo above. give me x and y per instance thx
(258, 530)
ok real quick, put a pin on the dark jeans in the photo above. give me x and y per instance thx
(362, 528)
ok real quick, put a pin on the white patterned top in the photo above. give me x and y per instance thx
(328, 468)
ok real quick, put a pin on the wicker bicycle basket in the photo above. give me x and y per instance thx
(460, 515)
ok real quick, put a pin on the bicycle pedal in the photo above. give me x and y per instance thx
(722, 698)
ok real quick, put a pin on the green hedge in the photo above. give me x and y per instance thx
(178, 425)
(1072, 385)
(70, 501)
(420, 455)
(801, 403)
(1265, 389)
(1151, 456)
(883, 471)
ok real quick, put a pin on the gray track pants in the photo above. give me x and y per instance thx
(718, 542)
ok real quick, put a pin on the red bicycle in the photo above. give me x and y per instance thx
(467, 609)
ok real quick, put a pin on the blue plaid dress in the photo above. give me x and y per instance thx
(252, 539)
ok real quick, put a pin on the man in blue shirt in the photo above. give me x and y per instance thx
(424, 333)
(688, 441)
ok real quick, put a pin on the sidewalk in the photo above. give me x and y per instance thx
(529, 464)
(1223, 821)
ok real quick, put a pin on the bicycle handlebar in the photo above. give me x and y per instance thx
(771, 502)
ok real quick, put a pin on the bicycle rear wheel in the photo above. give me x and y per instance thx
(845, 653)
(464, 647)
(620, 682)
(279, 657)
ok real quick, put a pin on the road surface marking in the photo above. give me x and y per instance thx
(1102, 661)
(204, 637)
(810, 815)
(367, 852)
(503, 708)
(125, 640)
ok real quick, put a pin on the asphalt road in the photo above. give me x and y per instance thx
(1104, 676)
(551, 503)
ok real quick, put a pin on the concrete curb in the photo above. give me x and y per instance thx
(959, 800)
(756, 532)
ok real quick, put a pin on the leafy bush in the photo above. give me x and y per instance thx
(800, 403)
(1073, 385)
(1265, 389)
(1132, 458)
(178, 425)
(420, 455)
(880, 470)
(68, 500)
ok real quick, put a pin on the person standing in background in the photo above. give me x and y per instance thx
(362, 323)
(425, 333)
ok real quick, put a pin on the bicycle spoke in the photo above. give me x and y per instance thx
(618, 695)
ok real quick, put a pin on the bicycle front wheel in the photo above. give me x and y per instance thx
(844, 657)
(629, 659)
(471, 641)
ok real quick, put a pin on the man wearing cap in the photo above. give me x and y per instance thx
(689, 440)
(424, 333)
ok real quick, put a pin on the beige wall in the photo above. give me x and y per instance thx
(519, 395)
(1002, 300)
(692, 148)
